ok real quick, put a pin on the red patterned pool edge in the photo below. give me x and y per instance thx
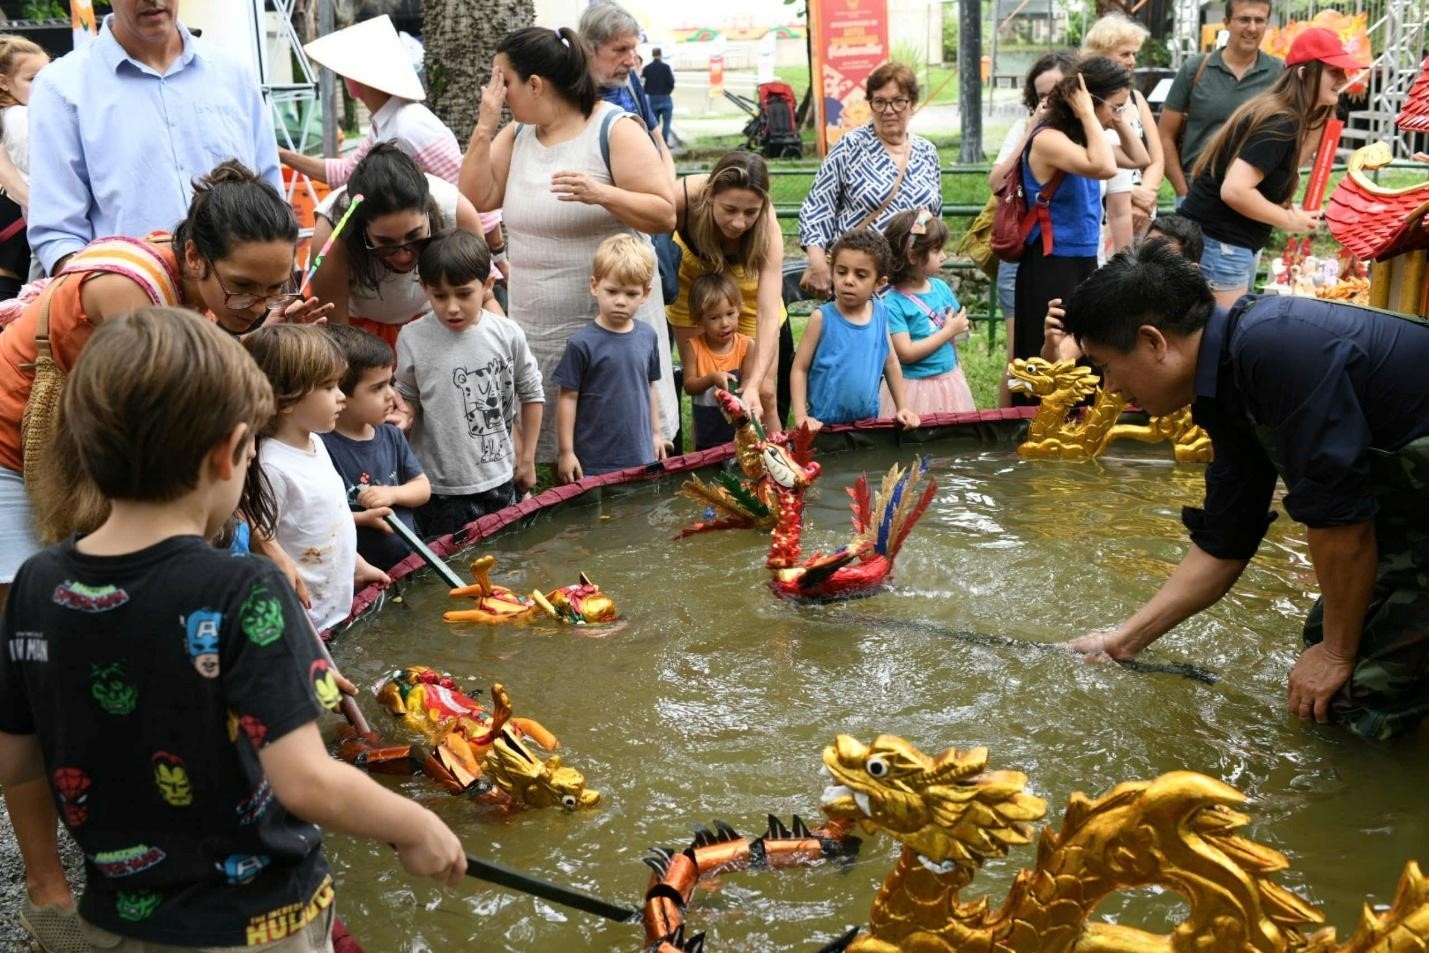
(828, 438)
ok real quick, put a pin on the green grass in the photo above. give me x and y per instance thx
(939, 83)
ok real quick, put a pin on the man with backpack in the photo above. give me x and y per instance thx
(1209, 87)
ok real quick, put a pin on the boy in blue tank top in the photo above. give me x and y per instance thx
(845, 352)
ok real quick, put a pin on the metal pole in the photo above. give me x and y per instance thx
(970, 79)
(327, 88)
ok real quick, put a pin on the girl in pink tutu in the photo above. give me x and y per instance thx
(924, 317)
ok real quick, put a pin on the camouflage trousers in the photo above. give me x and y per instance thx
(1388, 692)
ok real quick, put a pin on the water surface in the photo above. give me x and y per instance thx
(715, 700)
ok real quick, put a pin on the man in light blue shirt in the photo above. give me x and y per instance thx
(121, 128)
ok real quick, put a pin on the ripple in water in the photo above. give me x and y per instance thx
(716, 700)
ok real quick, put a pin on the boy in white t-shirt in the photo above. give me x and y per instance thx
(315, 526)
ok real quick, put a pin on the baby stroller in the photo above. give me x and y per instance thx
(772, 130)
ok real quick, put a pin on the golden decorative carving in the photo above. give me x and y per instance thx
(1177, 832)
(1054, 433)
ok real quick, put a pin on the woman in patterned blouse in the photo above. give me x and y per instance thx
(871, 174)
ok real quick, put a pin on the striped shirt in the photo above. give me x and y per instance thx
(857, 176)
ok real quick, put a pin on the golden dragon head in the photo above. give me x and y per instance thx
(1062, 383)
(531, 782)
(948, 809)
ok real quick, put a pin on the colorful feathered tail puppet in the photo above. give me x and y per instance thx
(880, 527)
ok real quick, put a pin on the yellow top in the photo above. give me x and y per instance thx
(691, 267)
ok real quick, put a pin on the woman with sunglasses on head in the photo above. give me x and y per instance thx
(1068, 156)
(871, 174)
(1248, 174)
(724, 222)
(370, 273)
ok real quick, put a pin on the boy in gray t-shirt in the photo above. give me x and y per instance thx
(608, 415)
(462, 372)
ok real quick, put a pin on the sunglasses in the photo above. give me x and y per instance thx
(1118, 110)
(386, 250)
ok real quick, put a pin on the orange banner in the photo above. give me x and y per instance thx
(850, 40)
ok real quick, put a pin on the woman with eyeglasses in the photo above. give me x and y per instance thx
(230, 260)
(724, 221)
(370, 274)
(1247, 176)
(871, 174)
(1131, 193)
(1065, 161)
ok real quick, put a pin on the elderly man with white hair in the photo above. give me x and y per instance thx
(613, 35)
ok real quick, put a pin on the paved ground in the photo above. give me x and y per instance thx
(13, 939)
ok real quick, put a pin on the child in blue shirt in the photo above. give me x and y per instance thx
(924, 317)
(608, 414)
(845, 352)
(373, 458)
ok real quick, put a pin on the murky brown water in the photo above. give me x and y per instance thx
(715, 700)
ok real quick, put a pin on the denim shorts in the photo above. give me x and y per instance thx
(17, 534)
(1006, 287)
(1228, 267)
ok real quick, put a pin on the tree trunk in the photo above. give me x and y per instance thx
(460, 37)
(970, 80)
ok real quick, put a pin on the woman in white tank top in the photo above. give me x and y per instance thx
(569, 173)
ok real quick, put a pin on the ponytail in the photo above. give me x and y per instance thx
(232, 206)
(560, 57)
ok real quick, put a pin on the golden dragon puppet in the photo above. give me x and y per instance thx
(1055, 433)
(951, 814)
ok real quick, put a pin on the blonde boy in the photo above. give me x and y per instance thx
(607, 416)
(200, 827)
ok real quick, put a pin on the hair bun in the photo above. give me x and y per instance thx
(230, 171)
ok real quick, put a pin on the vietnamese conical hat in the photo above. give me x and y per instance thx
(371, 53)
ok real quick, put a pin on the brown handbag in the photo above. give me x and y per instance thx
(1015, 216)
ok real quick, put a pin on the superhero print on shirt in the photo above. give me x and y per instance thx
(201, 629)
(72, 789)
(261, 617)
(288, 920)
(171, 777)
(76, 595)
(324, 684)
(109, 687)
(29, 647)
(251, 727)
(254, 805)
(136, 905)
(127, 860)
(481, 392)
(240, 869)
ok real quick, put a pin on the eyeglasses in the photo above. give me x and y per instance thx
(882, 105)
(1115, 109)
(414, 246)
(243, 300)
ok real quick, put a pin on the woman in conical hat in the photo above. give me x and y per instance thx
(377, 68)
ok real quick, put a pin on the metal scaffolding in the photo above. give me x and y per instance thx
(1399, 34)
